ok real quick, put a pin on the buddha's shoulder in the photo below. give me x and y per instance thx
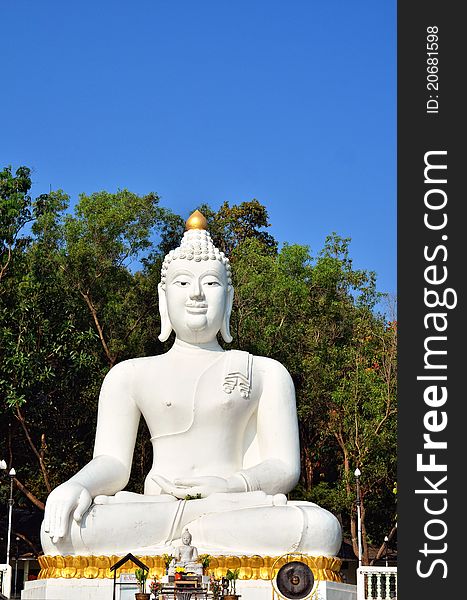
(272, 376)
(136, 366)
(267, 366)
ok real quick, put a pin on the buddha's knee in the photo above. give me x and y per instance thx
(321, 531)
(270, 530)
(110, 528)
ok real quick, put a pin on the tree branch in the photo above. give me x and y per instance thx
(385, 418)
(384, 545)
(28, 542)
(110, 357)
(22, 420)
(135, 325)
(29, 495)
(5, 266)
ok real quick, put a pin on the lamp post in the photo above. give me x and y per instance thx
(16, 567)
(386, 540)
(3, 467)
(12, 475)
(357, 474)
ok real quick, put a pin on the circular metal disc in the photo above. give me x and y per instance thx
(295, 580)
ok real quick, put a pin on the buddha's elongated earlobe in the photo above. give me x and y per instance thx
(225, 328)
(166, 325)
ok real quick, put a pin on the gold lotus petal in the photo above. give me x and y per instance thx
(251, 567)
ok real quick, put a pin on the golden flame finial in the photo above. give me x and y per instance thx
(196, 221)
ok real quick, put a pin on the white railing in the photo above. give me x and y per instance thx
(377, 583)
(5, 580)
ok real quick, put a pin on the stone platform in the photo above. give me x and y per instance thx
(102, 589)
(90, 578)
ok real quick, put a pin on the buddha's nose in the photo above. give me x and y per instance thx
(196, 291)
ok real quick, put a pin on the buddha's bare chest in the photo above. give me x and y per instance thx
(173, 402)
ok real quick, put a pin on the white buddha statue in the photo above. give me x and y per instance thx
(224, 430)
(186, 556)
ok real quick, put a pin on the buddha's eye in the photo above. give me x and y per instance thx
(182, 283)
(212, 283)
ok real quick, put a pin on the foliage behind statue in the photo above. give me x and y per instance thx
(51, 348)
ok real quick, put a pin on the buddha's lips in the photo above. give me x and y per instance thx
(196, 307)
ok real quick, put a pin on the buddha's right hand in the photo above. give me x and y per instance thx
(69, 497)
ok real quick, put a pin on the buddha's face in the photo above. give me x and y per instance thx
(196, 296)
(186, 538)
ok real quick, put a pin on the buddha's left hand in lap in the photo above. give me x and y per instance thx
(202, 486)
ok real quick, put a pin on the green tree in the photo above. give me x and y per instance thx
(70, 309)
(316, 317)
(48, 360)
(232, 225)
(15, 211)
(104, 239)
(349, 396)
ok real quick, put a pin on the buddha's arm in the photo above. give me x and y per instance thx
(117, 426)
(108, 472)
(277, 432)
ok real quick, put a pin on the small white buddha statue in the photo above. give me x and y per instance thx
(186, 556)
(224, 430)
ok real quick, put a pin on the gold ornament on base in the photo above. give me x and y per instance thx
(264, 568)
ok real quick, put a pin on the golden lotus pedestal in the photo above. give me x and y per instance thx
(90, 578)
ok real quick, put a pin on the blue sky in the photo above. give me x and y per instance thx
(292, 103)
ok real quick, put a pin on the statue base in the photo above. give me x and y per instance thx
(255, 567)
(101, 589)
(90, 578)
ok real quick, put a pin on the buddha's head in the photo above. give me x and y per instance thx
(186, 538)
(195, 292)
